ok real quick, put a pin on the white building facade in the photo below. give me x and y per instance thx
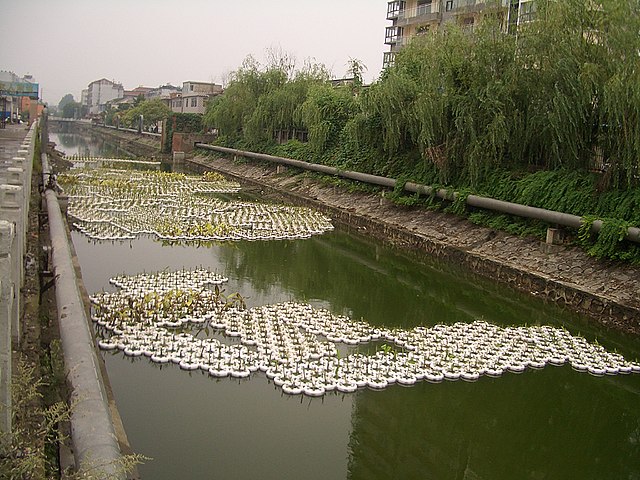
(194, 97)
(100, 92)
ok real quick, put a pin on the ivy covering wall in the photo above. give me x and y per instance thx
(181, 122)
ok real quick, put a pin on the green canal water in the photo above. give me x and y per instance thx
(553, 423)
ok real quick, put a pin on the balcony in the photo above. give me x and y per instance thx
(388, 59)
(468, 6)
(429, 12)
(394, 8)
(392, 35)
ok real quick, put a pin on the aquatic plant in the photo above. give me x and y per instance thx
(111, 204)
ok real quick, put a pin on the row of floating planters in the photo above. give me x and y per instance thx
(112, 204)
(84, 160)
(296, 345)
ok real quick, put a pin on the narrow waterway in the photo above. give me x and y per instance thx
(553, 423)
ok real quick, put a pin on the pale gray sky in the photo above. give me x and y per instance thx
(66, 44)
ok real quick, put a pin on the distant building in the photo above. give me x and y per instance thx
(194, 96)
(164, 93)
(175, 102)
(138, 92)
(121, 103)
(18, 95)
(100, 92)
(31, 105)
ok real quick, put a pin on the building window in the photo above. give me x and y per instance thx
(392, 35)
(394, 9)
(388, 59)
(194, 102)
(422, 29)
(449, 6)
(424, 7)
(467, 24)
(191, 87)
(527, 12)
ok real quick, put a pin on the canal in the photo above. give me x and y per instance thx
(549, 423)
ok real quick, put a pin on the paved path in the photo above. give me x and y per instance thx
(10, 139)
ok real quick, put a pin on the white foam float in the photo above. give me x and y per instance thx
(109, 204)
(295, 344)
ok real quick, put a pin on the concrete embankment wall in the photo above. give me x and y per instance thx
(16, 157)
(132, 143)
(92, 431)
(95, 444)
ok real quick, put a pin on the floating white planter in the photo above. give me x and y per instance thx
(295, 344)
(124, 204)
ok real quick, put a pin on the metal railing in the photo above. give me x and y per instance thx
(418, 11)
(92, 432)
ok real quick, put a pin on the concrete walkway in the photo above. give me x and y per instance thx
(16, 154)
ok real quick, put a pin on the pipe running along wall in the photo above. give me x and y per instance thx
(94, 440)
(549, 216)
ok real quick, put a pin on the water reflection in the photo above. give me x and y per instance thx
(550, 423)
(80, 144)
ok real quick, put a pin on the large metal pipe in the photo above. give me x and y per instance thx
(362, 177)
(549, 216)
(94, 440)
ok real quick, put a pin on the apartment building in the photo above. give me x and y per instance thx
(100, 92)
(412, 18)
(139, 91)
(194, 97)
(164, 93)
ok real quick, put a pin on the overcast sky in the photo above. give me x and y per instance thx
(66, 44)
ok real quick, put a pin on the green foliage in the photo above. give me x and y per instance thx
(507, 223)
(292, 149)
(260, 101)
(22, 454)
(325, 113)
(557, 95)
(181, 122)
(230, 112)
(187, 122)
(68, 98)
(524, 118)
(70, 109)
(610, 242)
(153, 111)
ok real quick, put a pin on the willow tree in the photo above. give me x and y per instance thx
(279, 109)
(325, 113)
(448, 99)
(561, 91)
(231, 111)
(619, 120)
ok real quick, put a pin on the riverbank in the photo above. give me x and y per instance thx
(605, 291)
